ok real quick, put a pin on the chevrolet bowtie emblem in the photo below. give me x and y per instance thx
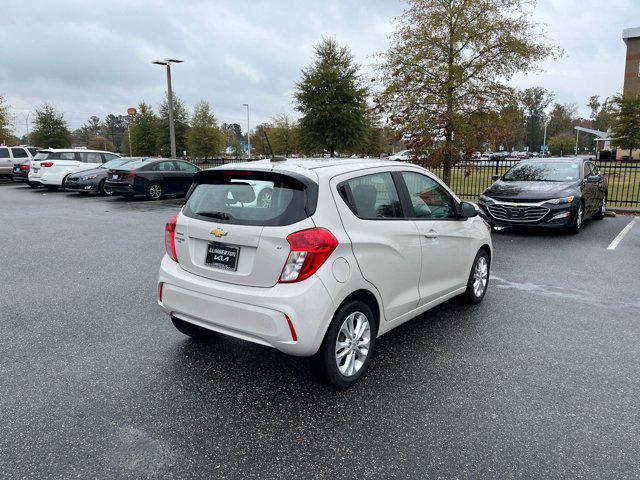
(218, 232)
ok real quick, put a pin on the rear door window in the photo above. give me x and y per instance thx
(67, 156)
(166, 167)
(251, 198)
(92, 157)
(372, 196)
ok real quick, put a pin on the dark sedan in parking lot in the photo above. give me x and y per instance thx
(551, 192)
(152, 177)
(94, 180)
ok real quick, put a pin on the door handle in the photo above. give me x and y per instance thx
(431, 234)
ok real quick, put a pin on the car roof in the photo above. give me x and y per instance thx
(79, 150)
(314, 166)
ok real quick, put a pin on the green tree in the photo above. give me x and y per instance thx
(114, 128)
(562, 119)
(449, 61)
(332, 100)
(562, 144)
(5, 119)
(101, 143)
(602, 113)
(204, 139)
(259, 146)
(626, 123)
(535, 100)
(181, 125)
(144, 131)
(50, 128)
(283, 136)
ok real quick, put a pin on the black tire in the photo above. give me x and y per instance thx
(154, 191)
(191, 330)
(602, 209)
(577, 222)
(264, 197)
(326, 363)
(103, 190)
(473, 294)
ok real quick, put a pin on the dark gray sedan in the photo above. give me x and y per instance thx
(93, 181)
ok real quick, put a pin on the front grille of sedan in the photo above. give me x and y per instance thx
(72, 179)
(524, 214)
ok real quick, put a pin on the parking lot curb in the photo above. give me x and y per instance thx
(625, 210)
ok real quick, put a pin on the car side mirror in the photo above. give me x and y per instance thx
(468, 210)
(495, 177)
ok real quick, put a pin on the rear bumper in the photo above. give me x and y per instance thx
(251, 313)
(45, 178)
(20, 176)
(117, 187)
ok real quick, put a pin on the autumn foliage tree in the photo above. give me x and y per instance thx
(450, 61)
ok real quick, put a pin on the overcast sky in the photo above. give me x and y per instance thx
(94, 57)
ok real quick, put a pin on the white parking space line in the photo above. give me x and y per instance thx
(618, 239)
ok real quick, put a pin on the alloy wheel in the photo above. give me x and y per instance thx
(603, 207)
(579, 218)
(352, 344)
(480, 276)
(155, 191)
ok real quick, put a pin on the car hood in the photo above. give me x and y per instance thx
(91, 171)
(530, 190)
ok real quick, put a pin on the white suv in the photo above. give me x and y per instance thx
(12, 156)
(52, 166)
(344, 251)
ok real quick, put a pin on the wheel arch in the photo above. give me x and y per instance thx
(367, 297)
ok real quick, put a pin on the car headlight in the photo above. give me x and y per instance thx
(484, 198)
(89, 177)
(558, 201)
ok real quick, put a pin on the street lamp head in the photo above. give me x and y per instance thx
(245, 104)
(167, 61)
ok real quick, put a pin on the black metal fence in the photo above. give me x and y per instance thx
(469, 179)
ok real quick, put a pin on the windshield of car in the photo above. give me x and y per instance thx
(249, 198)
(543, 172)
(116, 162)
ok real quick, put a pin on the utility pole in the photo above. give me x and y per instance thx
(248, 132)
(172, 131)
(26, 121)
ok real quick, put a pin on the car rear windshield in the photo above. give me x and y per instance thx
(116, 162)
(250, 198)
(133, 165)
(543, 172)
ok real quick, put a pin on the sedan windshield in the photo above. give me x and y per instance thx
(543, 172)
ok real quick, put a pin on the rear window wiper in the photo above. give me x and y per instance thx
(218, 215)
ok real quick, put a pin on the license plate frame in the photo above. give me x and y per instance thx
(222, 256)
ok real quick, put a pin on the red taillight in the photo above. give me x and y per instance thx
(309, 250)
(46, 164)
(170, 238)
(25, 168)
(128, 175)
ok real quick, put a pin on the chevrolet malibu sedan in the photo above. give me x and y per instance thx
(550, 193)
(343, 252)
(152, 177)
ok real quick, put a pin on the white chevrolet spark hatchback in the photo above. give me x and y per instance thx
(342, 252)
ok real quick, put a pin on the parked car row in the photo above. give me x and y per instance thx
(101, 172)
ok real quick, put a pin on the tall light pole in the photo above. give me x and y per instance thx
(172, 130)
(26, 122)
(248, 132)
(544, 142)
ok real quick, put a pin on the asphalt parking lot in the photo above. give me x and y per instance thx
(542, 380)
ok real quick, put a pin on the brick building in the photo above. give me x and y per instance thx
(631, 38)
